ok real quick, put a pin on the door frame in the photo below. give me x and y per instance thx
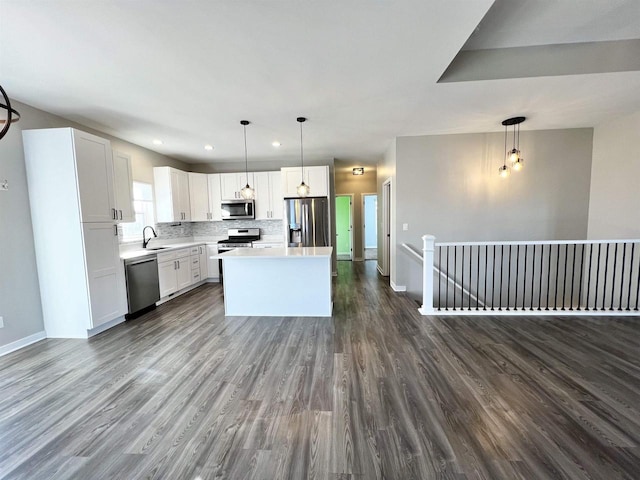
(362, 214)
(350, 195)
(385, 268)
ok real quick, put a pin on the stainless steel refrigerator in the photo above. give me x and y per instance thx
(307, 222)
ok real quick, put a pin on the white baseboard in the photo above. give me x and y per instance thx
(397, 288)
(23, 342)
(358, 259)
(180, 292)
(379, 269)
(105, 326)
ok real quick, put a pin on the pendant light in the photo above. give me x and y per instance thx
(12, 114)
(303, 189)
(247, 192)
(504, 171)
(514, 153)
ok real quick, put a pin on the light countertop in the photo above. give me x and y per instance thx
(293, 252)
(141, 252)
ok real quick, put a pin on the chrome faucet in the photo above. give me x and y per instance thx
(145, 242)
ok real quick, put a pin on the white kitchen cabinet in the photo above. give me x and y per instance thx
(232, 183)
(174, 271)
(268, 188)
(81, 276)
(199, 197)
(183, 271)
(123, 187)
(215, 196)
(171, 189)
(95, 177)
(167, 278)
(204, 262)
(102, 266)
(316, 177)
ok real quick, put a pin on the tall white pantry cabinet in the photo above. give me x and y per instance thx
(71, 190)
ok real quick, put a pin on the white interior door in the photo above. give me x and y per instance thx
(386, 228)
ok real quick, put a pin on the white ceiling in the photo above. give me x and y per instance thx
(363, 72)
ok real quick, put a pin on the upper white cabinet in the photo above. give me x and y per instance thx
(95, 177)
(215, 196)
(316, 177)
(70, 177)
(171, 189)
(199, 197)
(232, 183)
(268, 186)
(123, 187)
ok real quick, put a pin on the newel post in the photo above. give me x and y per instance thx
(428, 247)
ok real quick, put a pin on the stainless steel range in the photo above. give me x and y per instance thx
(238, 238)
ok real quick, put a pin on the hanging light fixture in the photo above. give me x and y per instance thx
(303, 189)
(247, 192)
(513, 154)
(12, 114)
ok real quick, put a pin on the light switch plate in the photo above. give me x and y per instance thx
(1, 323)
(405, 226)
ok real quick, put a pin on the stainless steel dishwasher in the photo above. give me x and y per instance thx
(143, 290)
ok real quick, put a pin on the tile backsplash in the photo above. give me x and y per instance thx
(215, 229)
(208, 229)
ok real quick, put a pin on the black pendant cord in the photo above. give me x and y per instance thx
(301, 120)
(246, 161)
(505, 147)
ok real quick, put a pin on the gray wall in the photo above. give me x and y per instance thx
(614, 208)
(19, 290)
(448, 186)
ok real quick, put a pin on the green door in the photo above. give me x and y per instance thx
(343, 226)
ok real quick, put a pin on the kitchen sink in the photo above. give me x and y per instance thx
(156, 248)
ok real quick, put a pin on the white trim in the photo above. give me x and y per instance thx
(180, 292)
(21, 343)
(536, 242)
(358, 259)
(397, 288)
(105, 326)
(379, 269)
(533, 313)
(386, 228)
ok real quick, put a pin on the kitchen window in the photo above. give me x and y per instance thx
(143, 208)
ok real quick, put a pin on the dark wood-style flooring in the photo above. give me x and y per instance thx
(377, 391)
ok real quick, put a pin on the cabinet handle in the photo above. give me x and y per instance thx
(115, 228)
(178, 264)
(120, 214)
(175, 265)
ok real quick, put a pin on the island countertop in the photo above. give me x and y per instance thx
(290, 252)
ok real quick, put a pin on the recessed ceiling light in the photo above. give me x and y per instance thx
(157, 142)
(276, 143)
(208, 147)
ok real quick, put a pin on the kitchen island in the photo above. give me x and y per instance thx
(277, 282)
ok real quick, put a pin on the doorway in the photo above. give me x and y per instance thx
(344, 227)
(384, 264)
(369, 225)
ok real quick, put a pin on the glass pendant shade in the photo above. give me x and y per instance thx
(303, 190)
(514, 155)
(518, 164)
(247, 192)
(503, 171)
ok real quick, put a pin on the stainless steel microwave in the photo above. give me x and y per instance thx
(238, 209)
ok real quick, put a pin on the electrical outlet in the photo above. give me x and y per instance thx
(1, 323)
